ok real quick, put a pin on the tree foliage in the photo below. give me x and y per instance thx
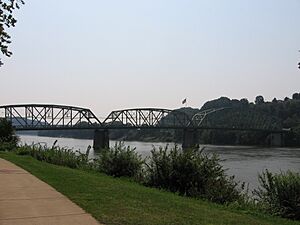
(280, 193)
(191, 173)
(7, 133)
(8, 139)
(120, 161)
(287, 112)
(7, 20)
(259, 100)
(296, 96)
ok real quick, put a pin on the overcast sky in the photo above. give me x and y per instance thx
(108, 55)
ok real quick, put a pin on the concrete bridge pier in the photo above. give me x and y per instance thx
(190, 139)
(276, 140)
(101, 139)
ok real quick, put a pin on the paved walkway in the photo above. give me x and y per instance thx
(26, 200)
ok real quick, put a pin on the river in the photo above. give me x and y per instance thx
(243, 162)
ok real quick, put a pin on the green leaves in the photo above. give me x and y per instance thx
(6, 21)
(56, 155)
(192, 173)
(119, 161)
(7, 133)
(280, 193)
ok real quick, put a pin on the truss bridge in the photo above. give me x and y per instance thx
(64, 117)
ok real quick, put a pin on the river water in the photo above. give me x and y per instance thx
(243, 162)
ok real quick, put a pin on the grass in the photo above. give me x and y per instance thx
(120, 201)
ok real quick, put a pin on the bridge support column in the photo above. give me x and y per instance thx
(190, 139)
(276, 140)
(101, 139)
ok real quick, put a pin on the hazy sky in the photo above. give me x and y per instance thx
(109, 55)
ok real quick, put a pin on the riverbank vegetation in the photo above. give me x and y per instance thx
(280, 193)
(55, 155)
(190, 173)
(121, 201)
(120, 161)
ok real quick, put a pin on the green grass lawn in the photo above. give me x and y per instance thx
(119, 201)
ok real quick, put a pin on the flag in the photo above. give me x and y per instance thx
(184, 101)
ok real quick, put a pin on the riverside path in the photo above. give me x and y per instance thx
(26, 200)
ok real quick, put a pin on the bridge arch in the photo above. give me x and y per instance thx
(147, 118)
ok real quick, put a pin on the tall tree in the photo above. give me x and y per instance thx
(7, 132)
(259, 99)
(7, 20)
(274, 100)
(244, 102)
(296, 96)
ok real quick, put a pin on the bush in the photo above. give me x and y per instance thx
(120, 161)
(191, 173)
(7, 146)
(279, 194)
(8, 139)
(56, 155)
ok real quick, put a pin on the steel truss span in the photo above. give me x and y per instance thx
(147, 118)
(61, 117)
(48, 117)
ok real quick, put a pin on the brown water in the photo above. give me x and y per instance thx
(243, 162)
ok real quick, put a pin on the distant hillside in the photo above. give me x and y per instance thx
(280, 113)
(20, 121)
(225, 102)
(288, 110)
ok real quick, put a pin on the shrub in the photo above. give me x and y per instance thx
(8, 139)
(7, 146)
(191, 173)
(280, 193)
(119, 161)
(56, 155)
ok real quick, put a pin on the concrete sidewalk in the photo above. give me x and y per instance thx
(26, 200)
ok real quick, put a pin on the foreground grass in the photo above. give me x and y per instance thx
(119, 201)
